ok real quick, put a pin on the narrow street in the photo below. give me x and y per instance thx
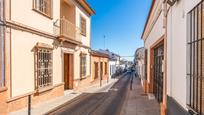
(102, 103)
(102, 57)
(120, 98)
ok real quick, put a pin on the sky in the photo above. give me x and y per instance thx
(120, 23)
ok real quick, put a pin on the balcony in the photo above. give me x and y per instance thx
(69, 32)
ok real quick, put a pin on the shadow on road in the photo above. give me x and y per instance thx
(101, 103)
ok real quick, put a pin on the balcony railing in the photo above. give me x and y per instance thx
(69, 31)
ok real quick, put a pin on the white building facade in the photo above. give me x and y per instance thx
(114, 62)
(173, 39)
(140, 65)
(47, 44)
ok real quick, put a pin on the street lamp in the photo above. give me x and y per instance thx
(171, 2)
(104, 38)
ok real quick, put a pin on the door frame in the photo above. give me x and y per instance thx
(64, 52)
(157, 81)
(160, 41)
(151, 69)
(96, 70)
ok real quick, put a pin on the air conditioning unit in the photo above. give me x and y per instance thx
(171, 2)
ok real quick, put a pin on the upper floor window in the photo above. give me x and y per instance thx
(83, 65)
(83, 25)
(195, 59)
(44, 67)
(44, 7)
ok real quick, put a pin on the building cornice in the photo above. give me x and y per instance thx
(84, 46)
(20, 26)
(26, 28)
(148, 17)
(84, 4)
(99, 54)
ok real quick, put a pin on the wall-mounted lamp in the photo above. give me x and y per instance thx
(171, 2)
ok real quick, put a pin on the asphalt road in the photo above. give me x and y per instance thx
(103, 103)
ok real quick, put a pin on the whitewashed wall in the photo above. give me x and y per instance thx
(156, 33)
(77, 63)
(176, 51)
(112, 67)
(22, 44)
(85, 41)
(22, 58)
(80, 12)
(22, 12)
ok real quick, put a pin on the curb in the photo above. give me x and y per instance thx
(108, 86)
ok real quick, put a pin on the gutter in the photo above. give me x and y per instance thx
(165, 59)
(166, 11)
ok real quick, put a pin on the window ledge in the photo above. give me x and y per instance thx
(43, 14)
(2, 89)
(42, 90)
(84, 77)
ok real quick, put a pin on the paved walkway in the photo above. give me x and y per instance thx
(137, 103)
(44, 107)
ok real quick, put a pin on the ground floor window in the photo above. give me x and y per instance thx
(44, 67)
(83, 65)
(195, 63)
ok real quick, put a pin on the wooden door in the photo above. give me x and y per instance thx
(68, 71)
(101, 70)
(96, 70)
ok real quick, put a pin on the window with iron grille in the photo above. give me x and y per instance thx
(83, 65)
(44, 68)
(195, 63)
(83, 25)
(44, 7)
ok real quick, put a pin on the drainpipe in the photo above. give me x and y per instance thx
(164, 104)
(166, 11)
(2, 39)
(90, 41)
(90, 64)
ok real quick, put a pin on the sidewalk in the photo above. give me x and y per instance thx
(44, 107)
(137, 103)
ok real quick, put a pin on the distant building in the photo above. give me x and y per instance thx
(99, 66)
(123, 63)
(139, 64)
(114, 61)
